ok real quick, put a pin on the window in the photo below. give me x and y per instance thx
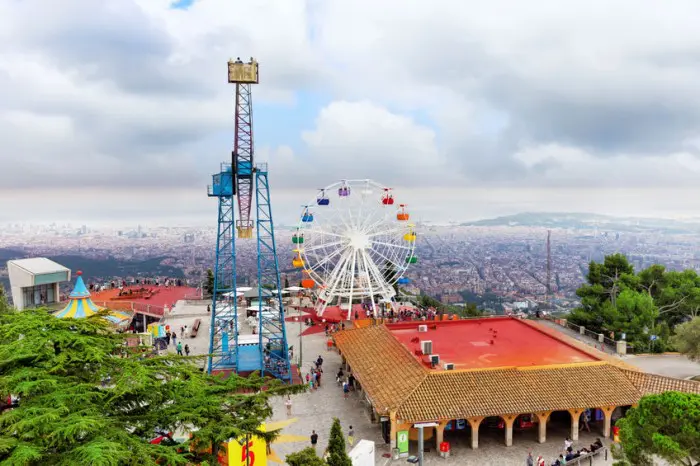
(39, 295)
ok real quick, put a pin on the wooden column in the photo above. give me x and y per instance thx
(509, 419)
(575, 417)
(392, 429)
(475, 422)
(542, 418)
(439, 434)
(607, 422)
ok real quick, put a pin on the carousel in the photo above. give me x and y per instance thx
(81, 306)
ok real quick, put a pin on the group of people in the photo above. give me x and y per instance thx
(567, 455)
(172, 337)
(313, 377)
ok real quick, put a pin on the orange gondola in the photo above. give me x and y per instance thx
(307, 282)
(402, 215)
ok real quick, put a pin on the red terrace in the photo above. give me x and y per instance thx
(499, 372)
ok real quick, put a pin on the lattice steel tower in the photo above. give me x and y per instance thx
(231, 350)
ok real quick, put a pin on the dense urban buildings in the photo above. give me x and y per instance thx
(498, 265)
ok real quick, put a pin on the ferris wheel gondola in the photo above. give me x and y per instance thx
(356, 246)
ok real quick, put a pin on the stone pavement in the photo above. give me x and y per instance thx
(670, 365)
(590, 341)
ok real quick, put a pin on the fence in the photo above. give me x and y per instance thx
(147, 309)
(584, 335)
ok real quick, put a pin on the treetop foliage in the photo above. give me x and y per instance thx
(665, 426)
(85, 398)
(646, 306)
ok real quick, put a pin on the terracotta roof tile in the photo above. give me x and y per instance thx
(652, 383)
(382, 365)
(394, 379)
(462, 394)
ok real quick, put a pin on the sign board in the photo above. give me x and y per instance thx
(240, 452)
(423, 425)
(402, 441)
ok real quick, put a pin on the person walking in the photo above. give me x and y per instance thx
(187, 350)
(179, 348)
(288, 405)
(529, 461)
(314, 439)
(174, 335)
(351, 436)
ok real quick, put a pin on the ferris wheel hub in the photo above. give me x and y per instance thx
(359, 240)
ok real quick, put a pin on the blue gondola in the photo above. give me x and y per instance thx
(322, 199)
(308, 217)
(403, 281)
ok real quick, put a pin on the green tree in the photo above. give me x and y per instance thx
(687, 339)
(305, 457)
(337, 456)
(389, 274)
(286, 281)
(665, 426)
(470, 310)
(209, 285)
(4, 306)
(86, 399)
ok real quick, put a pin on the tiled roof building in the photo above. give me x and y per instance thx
(402, 385)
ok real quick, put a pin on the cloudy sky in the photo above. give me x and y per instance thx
(120, 110)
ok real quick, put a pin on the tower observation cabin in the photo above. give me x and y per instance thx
(243, 75)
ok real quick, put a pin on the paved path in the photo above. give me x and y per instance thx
(576, 335)
(670, 365)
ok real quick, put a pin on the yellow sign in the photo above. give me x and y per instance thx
(250, 453)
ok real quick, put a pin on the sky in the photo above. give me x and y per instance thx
(120, 110)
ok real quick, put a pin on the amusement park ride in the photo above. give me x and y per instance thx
(241, 179)
(355, 245)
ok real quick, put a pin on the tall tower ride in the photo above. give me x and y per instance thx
(231, 350)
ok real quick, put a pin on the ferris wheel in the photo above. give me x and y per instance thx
(354, 244)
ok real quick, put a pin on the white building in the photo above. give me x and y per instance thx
(34, 282)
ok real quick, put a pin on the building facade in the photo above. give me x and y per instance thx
(35, 282)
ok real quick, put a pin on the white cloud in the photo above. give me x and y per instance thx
(488, 99)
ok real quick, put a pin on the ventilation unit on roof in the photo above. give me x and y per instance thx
(426, 346)
(422, 328)
(434, 360)
(449, 366)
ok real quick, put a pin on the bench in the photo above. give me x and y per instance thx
(588, 456)
(195, 328)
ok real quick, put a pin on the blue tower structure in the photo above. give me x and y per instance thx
(223, 338)
(229, 350)
(273, 335)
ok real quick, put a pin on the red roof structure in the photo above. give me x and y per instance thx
(487, 343)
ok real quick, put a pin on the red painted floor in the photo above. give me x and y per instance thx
(488, 343)
(163, 297)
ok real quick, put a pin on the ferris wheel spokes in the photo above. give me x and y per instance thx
(350, 242)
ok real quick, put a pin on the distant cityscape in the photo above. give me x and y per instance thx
(497, 263)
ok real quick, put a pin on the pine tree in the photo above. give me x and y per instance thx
(209, 285)
(337, 456)
(86, 399)
(305, 457)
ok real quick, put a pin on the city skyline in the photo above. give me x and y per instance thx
(120, 110)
